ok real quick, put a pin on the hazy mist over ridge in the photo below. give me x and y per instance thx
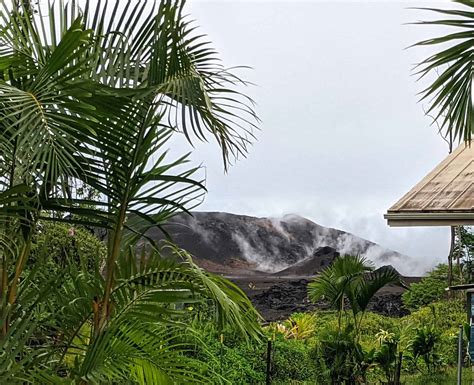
(238, 244)
(343, 136)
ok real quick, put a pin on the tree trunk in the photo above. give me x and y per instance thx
(459, 253)
(450, 256)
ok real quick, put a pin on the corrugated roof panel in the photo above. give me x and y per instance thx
(465, 200)
(448, 188)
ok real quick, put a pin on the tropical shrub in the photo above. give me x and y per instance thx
(424, 346)
(371, 326)
(234, 359)
(343, 358)
(57, 243)
(444, 317)
(430, 289)
(298, 326)
(386, 356)
(292, 360)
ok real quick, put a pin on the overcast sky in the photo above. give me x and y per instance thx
(342, 135)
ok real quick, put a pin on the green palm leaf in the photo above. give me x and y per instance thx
(334, 282)
(374, 281)
(450, 94)
(147, 334)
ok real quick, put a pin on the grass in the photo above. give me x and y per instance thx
(448, 378)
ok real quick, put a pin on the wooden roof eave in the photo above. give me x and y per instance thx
(402, 219)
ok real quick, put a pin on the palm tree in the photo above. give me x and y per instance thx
(89, 97)
(349, 280)
(450, 94)
(352, 280)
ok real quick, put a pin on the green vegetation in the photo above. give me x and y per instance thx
(430, 289)
(89, 99)
(334, 347)
(308, 356)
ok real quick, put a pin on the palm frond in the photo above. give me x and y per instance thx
(130, 350)
(178, 280)
(18, 361)
(374, 281)
(164, 53)
(334, 282)
(147, 333)
(450, 94)
(37, 112)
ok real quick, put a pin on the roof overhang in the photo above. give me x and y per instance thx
(445, 197)
(469, 287)
(429, 219)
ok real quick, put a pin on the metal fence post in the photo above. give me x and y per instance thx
(460, 355)
(269, 362)
(398, 370)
